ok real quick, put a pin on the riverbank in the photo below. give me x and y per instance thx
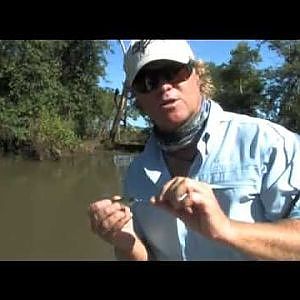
(129, 140)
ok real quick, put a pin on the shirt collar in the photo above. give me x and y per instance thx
(154, 166)
(211, 132)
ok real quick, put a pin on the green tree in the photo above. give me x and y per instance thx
(83, 62)
(283, 84)
(28, 82)
(60, 77)
(239, 85)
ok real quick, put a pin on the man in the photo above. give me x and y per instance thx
(209, 185)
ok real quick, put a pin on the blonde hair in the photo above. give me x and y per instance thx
(206, 86)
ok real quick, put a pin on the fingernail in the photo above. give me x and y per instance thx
(153, 200)
(182, 197)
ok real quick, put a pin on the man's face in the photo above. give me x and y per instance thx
(168, 93)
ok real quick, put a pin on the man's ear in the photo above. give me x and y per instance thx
(198, 80)
(199, 84)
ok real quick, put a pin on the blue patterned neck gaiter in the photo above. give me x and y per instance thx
(184, 134)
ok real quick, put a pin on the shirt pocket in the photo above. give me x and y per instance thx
(244, 191)
(237, 191)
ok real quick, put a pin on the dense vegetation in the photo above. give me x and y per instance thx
(50, 99)
(49, 96)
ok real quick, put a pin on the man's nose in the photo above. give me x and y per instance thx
(164, 84)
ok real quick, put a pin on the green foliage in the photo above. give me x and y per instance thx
(50, 133)
(283, 85)
(60, 77)
(83, 62)
(102, 114)
(239, 85)
(272, 93)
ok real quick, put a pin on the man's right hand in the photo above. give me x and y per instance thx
(112, 221)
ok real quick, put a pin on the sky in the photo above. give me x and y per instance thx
(216, 51)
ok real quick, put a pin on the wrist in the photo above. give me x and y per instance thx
(229, 233)
(136, 252)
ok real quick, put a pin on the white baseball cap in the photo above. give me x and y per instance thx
(141, 52)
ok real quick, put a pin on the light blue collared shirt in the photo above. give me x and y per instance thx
(254, 166)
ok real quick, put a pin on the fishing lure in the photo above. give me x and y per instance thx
(127, 200)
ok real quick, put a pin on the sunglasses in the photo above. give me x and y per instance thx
(150, 77)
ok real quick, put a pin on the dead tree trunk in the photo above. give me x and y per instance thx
(119, 114)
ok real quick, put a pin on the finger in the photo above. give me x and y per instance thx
(184, 213)
(101, 210)
(200, 187)
(196, 198)
(113, 222)
(92, 217)
(102, 202)
(118, 225)
(105, 211)
(181, 191)
(161, 204)
(178, 194)
(169, 187)
(93, 223)
(192, 192)
(161, 194)
(127, 210)
(97, 205)
(168, 193)
(192, 202)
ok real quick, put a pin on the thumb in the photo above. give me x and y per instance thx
(191, 199)
(194, 198)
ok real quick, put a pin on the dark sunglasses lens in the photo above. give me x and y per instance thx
(146, 81)
(149, 79)
(171, 72)
(143, 84)
(151, 82)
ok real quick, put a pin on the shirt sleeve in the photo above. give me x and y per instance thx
(281, 181)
